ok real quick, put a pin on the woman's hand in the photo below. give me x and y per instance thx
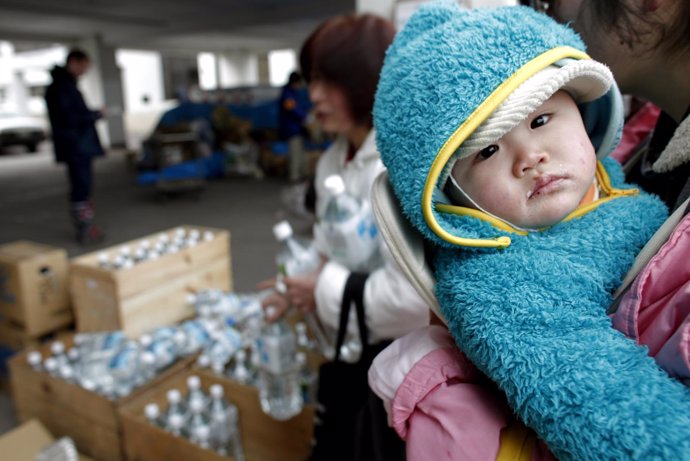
(300, 291)
(275, 299)
(297, 291)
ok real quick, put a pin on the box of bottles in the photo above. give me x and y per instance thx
(33, 287)
(146, 282)
(262, 437)
(68, 409)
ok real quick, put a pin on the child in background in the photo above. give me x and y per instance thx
(488, 122)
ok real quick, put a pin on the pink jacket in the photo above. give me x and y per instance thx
(441, 405)
(655, 311)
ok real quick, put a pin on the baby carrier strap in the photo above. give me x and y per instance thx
(404, 242)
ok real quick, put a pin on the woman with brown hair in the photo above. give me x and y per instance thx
(341, 61)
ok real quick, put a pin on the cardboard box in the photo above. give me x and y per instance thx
(151, 293)
(263, 438)
(16, 337)
(26, 441)
(66, 409)
(33, 287)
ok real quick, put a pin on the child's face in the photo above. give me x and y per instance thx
(537, 173)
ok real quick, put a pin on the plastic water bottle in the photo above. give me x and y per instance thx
(99, 341)
(293, 258)
(349, 228)
(153, 414)
(279, 388)
(224, 424)
(198, 430)
(240, 372)
(194, 393)
(175, 414)
(35, 359)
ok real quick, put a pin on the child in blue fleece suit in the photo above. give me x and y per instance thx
(487, 154)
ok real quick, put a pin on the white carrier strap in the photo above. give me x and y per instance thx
(405, 244)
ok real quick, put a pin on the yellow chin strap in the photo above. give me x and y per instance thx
(481, 113)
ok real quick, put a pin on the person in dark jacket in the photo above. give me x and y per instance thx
(291, 116)
(75, 140)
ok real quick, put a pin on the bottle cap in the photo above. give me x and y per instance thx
(145, 340)
(174, 396)
(152, 411)
(301, 358)
(51, 364)
(282, 230)
(34, 358)
(216, 390)
(57, 348)
(203, 361)
(334, 184)
(148, 358)
(193, 382)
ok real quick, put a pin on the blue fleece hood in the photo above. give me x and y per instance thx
(447, 70)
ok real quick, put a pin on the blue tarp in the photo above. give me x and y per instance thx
(201, 168)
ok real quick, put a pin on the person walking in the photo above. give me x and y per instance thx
(75, 140)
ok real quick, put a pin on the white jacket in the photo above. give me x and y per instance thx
(392, 306)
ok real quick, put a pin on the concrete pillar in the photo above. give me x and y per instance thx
(113, 97)
(264, 73)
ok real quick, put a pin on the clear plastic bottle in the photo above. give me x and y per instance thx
(35, 360)
(240, 372)
(293, 258)
(198, 430)
(90, 342)
(224, 423)
(176, 411)
(349, 229)
(194, 393)
(279, 388)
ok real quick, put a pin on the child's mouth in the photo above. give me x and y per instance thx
(544, 185)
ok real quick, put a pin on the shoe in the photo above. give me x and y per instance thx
(89, 235)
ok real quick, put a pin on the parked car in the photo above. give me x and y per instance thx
(22, 130)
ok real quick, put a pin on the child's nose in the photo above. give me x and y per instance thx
(527, 158)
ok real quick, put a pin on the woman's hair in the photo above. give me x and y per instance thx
(347, 51)
(622, 17)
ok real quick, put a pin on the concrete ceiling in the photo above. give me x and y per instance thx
(172, 25)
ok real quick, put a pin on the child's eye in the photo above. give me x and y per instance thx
(488, 151)
(540, 120)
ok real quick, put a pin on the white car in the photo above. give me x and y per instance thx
(22, 130)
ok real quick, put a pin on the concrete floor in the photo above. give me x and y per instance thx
(33, 206)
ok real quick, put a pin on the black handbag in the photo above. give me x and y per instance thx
(350, 421)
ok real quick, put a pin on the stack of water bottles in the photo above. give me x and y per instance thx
(269, 356)
(208, 420)
(125, 256)
(113, 365)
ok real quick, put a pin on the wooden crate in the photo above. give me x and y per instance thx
(16, 338)
(149, 294)
(263, 438)
(33, 287)
(66, 409)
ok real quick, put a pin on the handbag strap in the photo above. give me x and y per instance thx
(353, 292)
